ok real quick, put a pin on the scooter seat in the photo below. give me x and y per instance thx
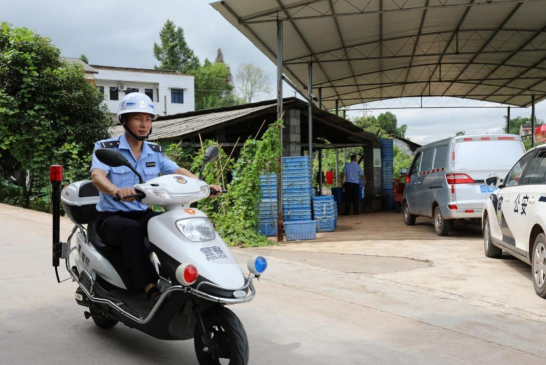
(95, 240)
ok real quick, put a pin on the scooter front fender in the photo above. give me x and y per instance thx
(213, 259)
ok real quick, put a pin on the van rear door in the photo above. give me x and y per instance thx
(474, 159)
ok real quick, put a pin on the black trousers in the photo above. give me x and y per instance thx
(127, 230)
(351, 197)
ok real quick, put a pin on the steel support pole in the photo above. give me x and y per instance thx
(533, 120)
(279, 116)
(320, 172)
(344, 114)
(508, 121)
(337, 167)
(310, 111)
(344, 157)
(320, 98)
(337, 107)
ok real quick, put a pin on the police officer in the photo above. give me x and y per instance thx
(124, 223)
(350, 180)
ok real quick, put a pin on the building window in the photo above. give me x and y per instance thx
(131, 90)
(177, 96)
(150, 93)
(114, 94)
(101, 89)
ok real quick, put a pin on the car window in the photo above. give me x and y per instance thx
(426, 164)
(514, 176)
(536, 173)
(440, 158)
(416, 163)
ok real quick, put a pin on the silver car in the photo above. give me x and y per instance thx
(446, 178)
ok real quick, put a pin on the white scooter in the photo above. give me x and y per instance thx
(198, 274)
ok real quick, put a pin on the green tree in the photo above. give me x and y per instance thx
(460, 133)
(213, 88)
(401, 161)
(251, 80)
(515, 124)
(49, 114)
(372, 125)
(174, 53)
(84, 59)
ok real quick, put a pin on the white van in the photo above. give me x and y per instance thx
(447, 178)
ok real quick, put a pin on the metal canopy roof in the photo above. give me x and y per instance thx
(371, 50)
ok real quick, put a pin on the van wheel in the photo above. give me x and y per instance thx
(539, 265)
(409, 218)
(488, 247)
(440, 224)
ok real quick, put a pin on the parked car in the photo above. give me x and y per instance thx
(446, 178)
(514, 216)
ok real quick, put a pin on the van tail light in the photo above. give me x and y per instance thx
(453, 206)
(408, 178)
(459, 179)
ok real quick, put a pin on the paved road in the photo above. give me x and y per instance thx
(341, 299)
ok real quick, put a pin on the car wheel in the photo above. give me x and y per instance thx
(539, 265)
(409, 218)
(488, 247)
(441, 226)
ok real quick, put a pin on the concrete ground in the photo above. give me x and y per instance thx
(373, 292)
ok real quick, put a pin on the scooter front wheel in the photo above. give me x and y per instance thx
(227, 337)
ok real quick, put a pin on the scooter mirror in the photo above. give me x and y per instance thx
(111, 157)
(211, 154)
(114, 159)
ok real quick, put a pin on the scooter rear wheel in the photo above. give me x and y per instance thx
(227, 336)
(100, 320)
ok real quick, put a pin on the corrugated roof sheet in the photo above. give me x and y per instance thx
(326, 124)
(370, 50)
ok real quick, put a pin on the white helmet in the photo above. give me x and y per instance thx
(136, 103)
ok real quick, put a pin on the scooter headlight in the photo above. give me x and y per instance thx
(205, 190)
(160, 193)
(257, 265)
(196, 229)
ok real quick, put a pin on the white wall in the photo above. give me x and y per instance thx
(160, 83)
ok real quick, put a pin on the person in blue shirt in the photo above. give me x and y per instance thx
(352, 172)
(124, 223)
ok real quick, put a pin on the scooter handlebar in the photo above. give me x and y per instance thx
(214, 191)
(138, 196)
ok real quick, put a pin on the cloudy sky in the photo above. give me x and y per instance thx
(122, 33)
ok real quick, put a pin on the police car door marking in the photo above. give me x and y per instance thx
(516, 204)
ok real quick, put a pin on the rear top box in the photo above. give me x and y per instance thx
(79, 201)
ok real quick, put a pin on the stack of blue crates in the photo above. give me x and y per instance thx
(325, 210)
(268, 205)
(387, 176)
(297, 191)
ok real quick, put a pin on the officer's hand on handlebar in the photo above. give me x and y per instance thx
(215, 191)
(124, 192)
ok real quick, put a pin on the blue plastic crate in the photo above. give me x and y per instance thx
(301, 230)
(326, 225)
(268, 229)
(296, 158)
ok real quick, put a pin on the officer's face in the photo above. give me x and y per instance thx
(140, 123)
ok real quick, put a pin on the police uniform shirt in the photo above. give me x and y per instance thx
(352, 172)
(152, 162)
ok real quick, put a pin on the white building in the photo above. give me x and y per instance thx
(170, 91)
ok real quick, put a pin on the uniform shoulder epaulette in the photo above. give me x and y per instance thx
(109, 144)
(155, 147)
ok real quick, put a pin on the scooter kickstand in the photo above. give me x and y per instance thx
(206, 340)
